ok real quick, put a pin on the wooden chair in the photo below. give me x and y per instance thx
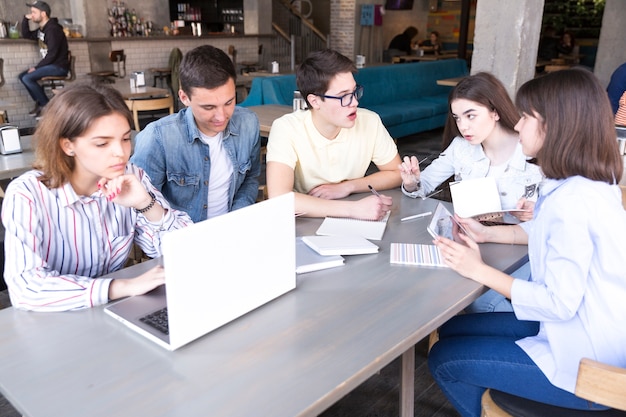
(52, 82)
(119, 59)
(150, 104)
(597, 382)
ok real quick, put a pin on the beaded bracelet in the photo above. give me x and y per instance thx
(149, 206)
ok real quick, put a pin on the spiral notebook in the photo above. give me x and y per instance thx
(416, 254)
(340, 226)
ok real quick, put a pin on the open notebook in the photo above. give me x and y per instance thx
(339, 226)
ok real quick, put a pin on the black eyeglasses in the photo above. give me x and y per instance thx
(346, 99)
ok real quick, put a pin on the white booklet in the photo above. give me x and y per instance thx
(340, 245)
(369, 229)
(307, 260)
(478, 198)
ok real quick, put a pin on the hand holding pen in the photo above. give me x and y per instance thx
(383, 202)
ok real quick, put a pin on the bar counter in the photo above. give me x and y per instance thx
(142, 53)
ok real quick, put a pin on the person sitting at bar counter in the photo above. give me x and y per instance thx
(76, 216)
(323, 153)
(205, 159)
(52, 47)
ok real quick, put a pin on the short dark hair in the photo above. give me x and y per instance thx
(578, 123)
(411, 32)
(485, 89)
(68, 115)
(317, 70)
(205, 67)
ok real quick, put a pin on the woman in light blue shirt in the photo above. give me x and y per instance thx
(573, 306)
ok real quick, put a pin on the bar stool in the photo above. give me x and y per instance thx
(53, 82)
(117, 57)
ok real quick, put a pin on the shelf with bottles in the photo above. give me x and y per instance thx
(125, 22)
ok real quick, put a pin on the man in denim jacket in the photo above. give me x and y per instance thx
(205, 158)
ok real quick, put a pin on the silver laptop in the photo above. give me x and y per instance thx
(215, 271)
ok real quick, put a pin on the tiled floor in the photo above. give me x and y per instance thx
(379, 395)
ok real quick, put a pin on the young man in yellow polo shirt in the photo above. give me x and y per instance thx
(323, 153)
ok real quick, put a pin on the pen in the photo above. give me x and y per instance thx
(374, 191)
(416, 216)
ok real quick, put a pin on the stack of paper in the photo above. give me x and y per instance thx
(307, 260)
(340, 245)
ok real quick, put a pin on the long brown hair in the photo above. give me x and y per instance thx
(578, 124)
(68, 115)
(485, 89)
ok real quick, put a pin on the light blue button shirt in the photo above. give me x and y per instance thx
(577, 250)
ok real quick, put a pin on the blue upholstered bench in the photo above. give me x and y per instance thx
(406, 96)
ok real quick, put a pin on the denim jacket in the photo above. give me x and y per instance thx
(177, 161)
(467, 161)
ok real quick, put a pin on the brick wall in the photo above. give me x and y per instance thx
(342, 15)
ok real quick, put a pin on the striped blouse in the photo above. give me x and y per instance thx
(57, 242)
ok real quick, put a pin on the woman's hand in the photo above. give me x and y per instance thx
(463, 258)
(125, 190)
(136, 286)
(410, 173)
(527, 205)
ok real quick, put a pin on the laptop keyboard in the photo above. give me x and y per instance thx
(158, 320)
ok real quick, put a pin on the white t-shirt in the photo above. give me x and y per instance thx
(219, 177)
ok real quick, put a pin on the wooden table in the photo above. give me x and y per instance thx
(426, 57)
(450, 82)
(138, 93)
(294, 356)
(267, 113)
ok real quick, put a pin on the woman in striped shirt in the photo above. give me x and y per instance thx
(76, 216)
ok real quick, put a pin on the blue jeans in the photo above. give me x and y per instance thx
(32, 86)
(478, 351)
(492, 301)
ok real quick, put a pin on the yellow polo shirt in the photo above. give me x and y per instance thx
(295, 142)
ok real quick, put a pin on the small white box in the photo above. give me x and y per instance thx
(9, 140)
(140, 79)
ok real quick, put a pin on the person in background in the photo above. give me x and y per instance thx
(547, 44)
(205, 159)
(404, 41)
(52, 47)
(617, 86)
(432, 45)
(76, 216)
(566, 44)
(324, 152)
(573, 306)
(482, 143)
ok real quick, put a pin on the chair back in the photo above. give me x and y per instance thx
(119, 58)
(149, 104)
(2, 80)
(71, 75)
(601, 383)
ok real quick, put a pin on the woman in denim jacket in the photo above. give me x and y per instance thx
(484, 143)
